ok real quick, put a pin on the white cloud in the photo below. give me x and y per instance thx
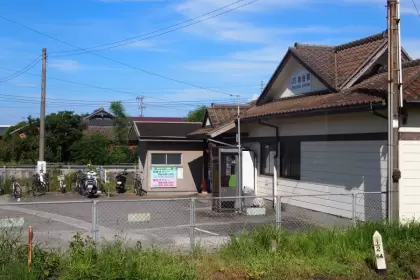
(65, 65)
(237, 28)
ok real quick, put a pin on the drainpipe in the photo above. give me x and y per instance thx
(276, 160)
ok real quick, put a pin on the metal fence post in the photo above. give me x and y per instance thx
(278, 212)
(353, 208)
(4, 175)
(192, 223)
(94, 220)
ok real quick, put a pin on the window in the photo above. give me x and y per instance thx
(268, 152)
(166, 159)
(290, 160)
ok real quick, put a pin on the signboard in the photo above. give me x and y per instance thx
(163, 177)
(379, 251)
(301, 82)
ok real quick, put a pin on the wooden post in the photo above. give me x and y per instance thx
(379, 252)
(30, 238)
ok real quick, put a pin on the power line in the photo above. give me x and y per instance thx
(123, 63)
(98, 87)
(130, 40)
(415, 7)
(22, 71)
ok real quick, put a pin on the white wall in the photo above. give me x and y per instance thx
(281, 87)
(333, 167)
(340, 167)
(264, 183)
(410, 180)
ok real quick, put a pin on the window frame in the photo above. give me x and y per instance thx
(166, 159)
(288, 149)
(272, 144)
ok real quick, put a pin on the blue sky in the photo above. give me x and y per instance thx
(231, 53)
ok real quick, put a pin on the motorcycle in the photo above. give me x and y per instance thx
(90, 183)
(121, 180)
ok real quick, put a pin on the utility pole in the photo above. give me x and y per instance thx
(42, 114)
(262, 86)
(238, 140)
(141, 107)
(395, 103)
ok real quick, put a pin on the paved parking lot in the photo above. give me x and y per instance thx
(158, 222)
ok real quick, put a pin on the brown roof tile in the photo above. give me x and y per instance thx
(222, 113)
(336, 64)
(320, 59)
(309, 103)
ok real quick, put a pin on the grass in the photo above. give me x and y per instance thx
(317, 254)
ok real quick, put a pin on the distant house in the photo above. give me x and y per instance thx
(99, 121)
(3, 129)
(170, 162)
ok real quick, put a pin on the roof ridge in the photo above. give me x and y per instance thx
(297, 45)
(407, 64)
(361, 41)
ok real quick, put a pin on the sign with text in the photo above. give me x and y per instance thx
(379, 251)
(163, 177)
(301, 82)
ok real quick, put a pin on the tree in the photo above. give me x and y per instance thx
(120, 122)
(62, 130)
(197, 115)
(91, 148)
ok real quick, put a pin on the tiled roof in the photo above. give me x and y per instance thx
(310, 103)
(372, 90)
(336, 64)
(222, 113)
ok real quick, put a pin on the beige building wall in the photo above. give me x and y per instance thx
(191, 166)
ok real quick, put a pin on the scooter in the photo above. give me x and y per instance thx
(90, 183)
(121, 180)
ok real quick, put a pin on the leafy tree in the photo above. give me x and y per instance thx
(197, 115)
(91, 149)
(62, 130)
(120, 122)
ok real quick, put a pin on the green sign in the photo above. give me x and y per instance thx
(163, 177)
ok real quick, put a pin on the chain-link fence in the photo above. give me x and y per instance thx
(184, 223)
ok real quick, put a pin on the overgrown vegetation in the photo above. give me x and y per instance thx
(318, 254)
(66, 142)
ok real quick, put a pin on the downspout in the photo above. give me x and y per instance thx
(276, 160)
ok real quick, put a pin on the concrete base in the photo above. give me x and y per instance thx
(255, 211)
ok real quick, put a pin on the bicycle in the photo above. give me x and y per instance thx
(38, 185)
(138, 185)
(16, 188)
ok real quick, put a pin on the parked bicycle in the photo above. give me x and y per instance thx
(15, 187)
(138, 185)
(39, 184)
